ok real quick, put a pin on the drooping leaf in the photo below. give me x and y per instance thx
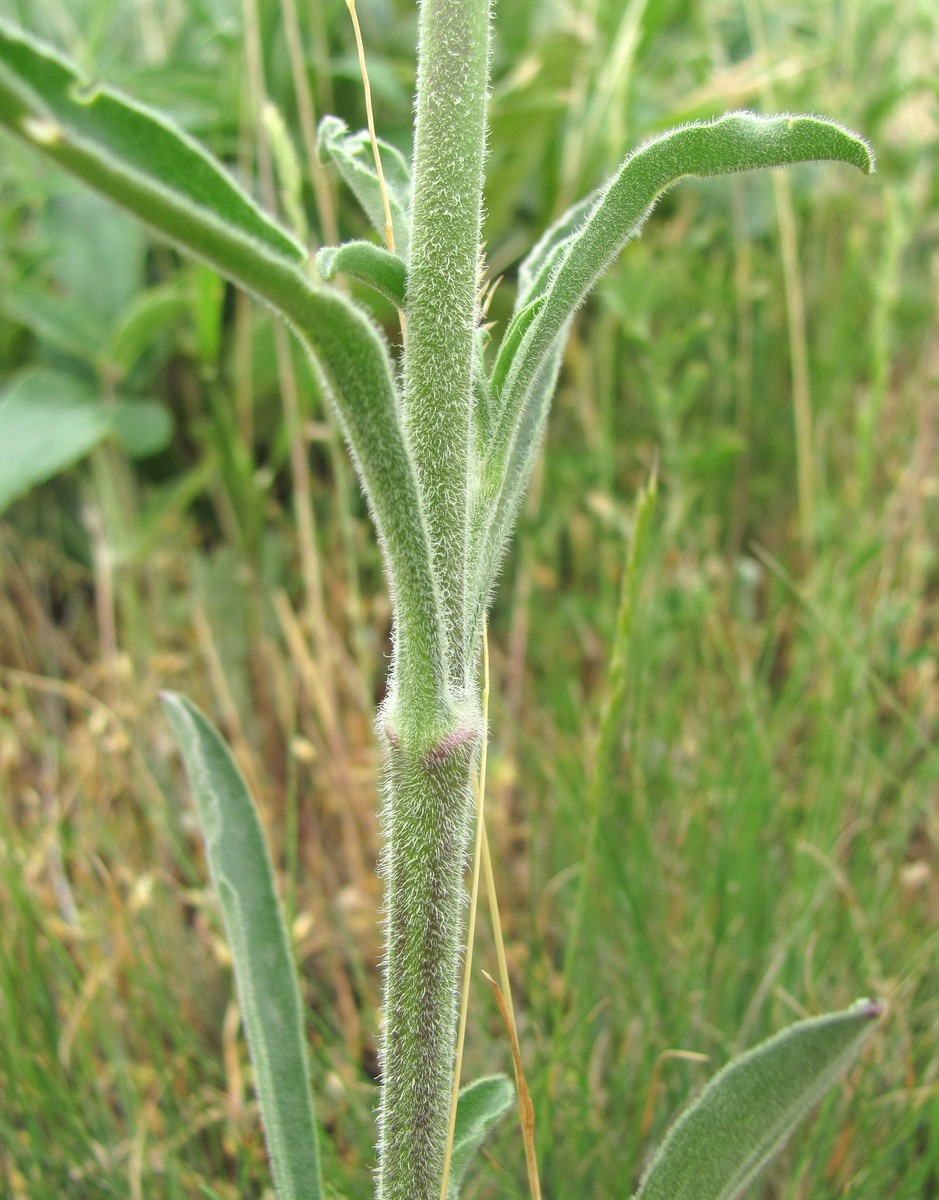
(268, 991)
(481, 1105)
(369, 264)
(122, 147)
(352, 155)
(748, 1110)
(138, 159)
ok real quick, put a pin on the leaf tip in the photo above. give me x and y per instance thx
(872, 1009)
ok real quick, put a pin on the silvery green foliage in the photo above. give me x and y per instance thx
(748, 1110)
(243, 878)
(443, 457)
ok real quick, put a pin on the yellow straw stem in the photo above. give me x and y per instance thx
(389, 228)
(471, 928)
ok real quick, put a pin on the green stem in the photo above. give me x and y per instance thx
(442, 308)
(428, 802)
(430, 756)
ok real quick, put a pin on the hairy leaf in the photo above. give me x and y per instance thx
(121, 147)
(138, 159)
(352, 155)
(481, 1105)
(240, 866)
(745, 1114)
(543, 256)
(732, 143)
(369, 264)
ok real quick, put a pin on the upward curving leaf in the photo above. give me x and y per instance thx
(139, 159)
(482, 1104)
(544, 255)
(580, 254)
(352, 155)
(749, 1109)
(732, 143)
(268, 990)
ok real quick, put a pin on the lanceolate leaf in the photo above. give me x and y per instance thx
(736, 142)
(102, 136)
(482, 1103)
(352, 155)
(369, 264)
(137, 158)
(748, 1110)
(544, 254)
(240, 866)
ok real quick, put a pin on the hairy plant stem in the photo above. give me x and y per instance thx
(431, 752)
(442, 307)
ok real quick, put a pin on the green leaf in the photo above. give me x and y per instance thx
(735, 142)
(144, 427)
(535, 269)
(732, 143)
(50, 420)
(121, 147)
(511, 341)
(268, 991)
(60, 321)
(748, 1110)
(352, 155)
(369, 264)
(139, 160)
(148, 317)
(481, 1105)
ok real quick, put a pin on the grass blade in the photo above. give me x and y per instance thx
(748, 1110)
(240, 866)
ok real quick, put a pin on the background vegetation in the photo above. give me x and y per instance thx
(768, 846)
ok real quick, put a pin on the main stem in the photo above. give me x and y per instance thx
(442, 306)
(431, 745)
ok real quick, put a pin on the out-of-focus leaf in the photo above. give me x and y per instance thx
(748, 1110)
(151, 314)
(48, 421)
(144, 427)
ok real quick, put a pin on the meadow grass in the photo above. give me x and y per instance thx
(768, 835)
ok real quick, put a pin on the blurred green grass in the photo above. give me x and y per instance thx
(768, 843)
